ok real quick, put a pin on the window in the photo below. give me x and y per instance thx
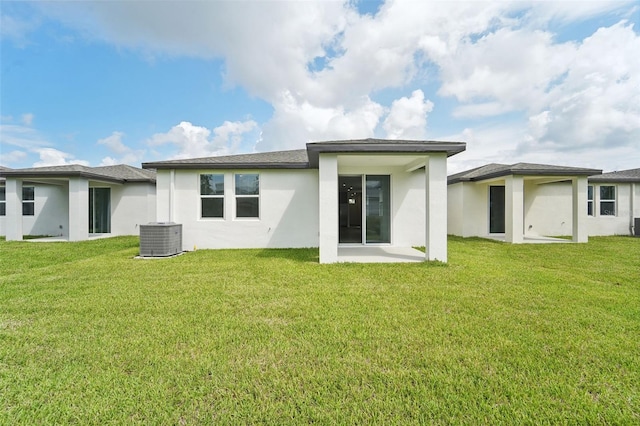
(247, 195)
(590, 200)
(607, 200)
(212, 195)
(28, 201)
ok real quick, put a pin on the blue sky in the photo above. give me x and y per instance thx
(101, 83)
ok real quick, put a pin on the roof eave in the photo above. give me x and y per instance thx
(223, 166)
(314, 149)
(524, 172)
(61, 174)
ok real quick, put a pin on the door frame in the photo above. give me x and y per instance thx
(363, 209)
(490, 209)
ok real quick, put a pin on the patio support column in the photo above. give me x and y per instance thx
(13, 200)
(514, 209)
(78, 209)
(579, 201)
(436, 207)
(328, 205)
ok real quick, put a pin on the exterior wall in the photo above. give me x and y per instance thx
(132, 205)
(468, 208)
(51, 210)
(548, 209)
(455, 209)
(620, 224)
(407, 202)
(164, 187)
(288, 210)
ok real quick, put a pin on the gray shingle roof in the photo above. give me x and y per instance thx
(631, 175)
(294, 159)
(494, 170)
(120, 173)
(308, 158)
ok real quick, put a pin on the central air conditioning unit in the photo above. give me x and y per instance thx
(636, 226)
(160, 239)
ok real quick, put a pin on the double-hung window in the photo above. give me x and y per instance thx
(28, 201)
(247, 191)
(590, 200)
(212, 195)
(607, 200)
(3, 201)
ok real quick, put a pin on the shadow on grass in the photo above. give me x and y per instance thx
(455, 238)
(303, 255)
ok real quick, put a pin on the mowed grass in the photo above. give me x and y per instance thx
(501, 334)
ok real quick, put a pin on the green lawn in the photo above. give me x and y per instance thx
(501, 334)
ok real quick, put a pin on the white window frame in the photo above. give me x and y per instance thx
(590, 200)
(26, 202)
(608, 200)
(239, 196)
(205, 196)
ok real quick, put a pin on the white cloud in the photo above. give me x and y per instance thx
(408, 117)
(196, 141)
(54, 157)
(295, 123)
(16, 28)
(126, 154)
(114, 143)
(598, 103)
(496, 59)
(7, 158)
(27, 119)
(21, 136)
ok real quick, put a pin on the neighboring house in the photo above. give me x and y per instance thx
(333, 195)
(613, 203)
(520, 201)
(74, 202)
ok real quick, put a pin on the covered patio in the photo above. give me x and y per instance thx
(379, 254)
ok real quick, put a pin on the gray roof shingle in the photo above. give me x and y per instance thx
(494, 170)
(631, 175)
(294, 159)
(308, 158)
(120, 173)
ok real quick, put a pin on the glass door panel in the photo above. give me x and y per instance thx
(99, 210)
(378, 209)
(496, 209)
(350, 209)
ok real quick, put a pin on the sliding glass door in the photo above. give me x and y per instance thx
(99, 210)
(350, 209)
(372, 227)
(378, 217)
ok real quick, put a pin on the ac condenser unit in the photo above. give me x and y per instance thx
(636, 226)
(160, 239)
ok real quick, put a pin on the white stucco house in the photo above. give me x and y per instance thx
(75, 202)
(613, 203)
(519, 202)
(342, 196)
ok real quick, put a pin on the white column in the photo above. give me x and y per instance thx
(78, 209)
(328, 205)
(579, 200)
(436, 207)
(13, 192)
(514, 209)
